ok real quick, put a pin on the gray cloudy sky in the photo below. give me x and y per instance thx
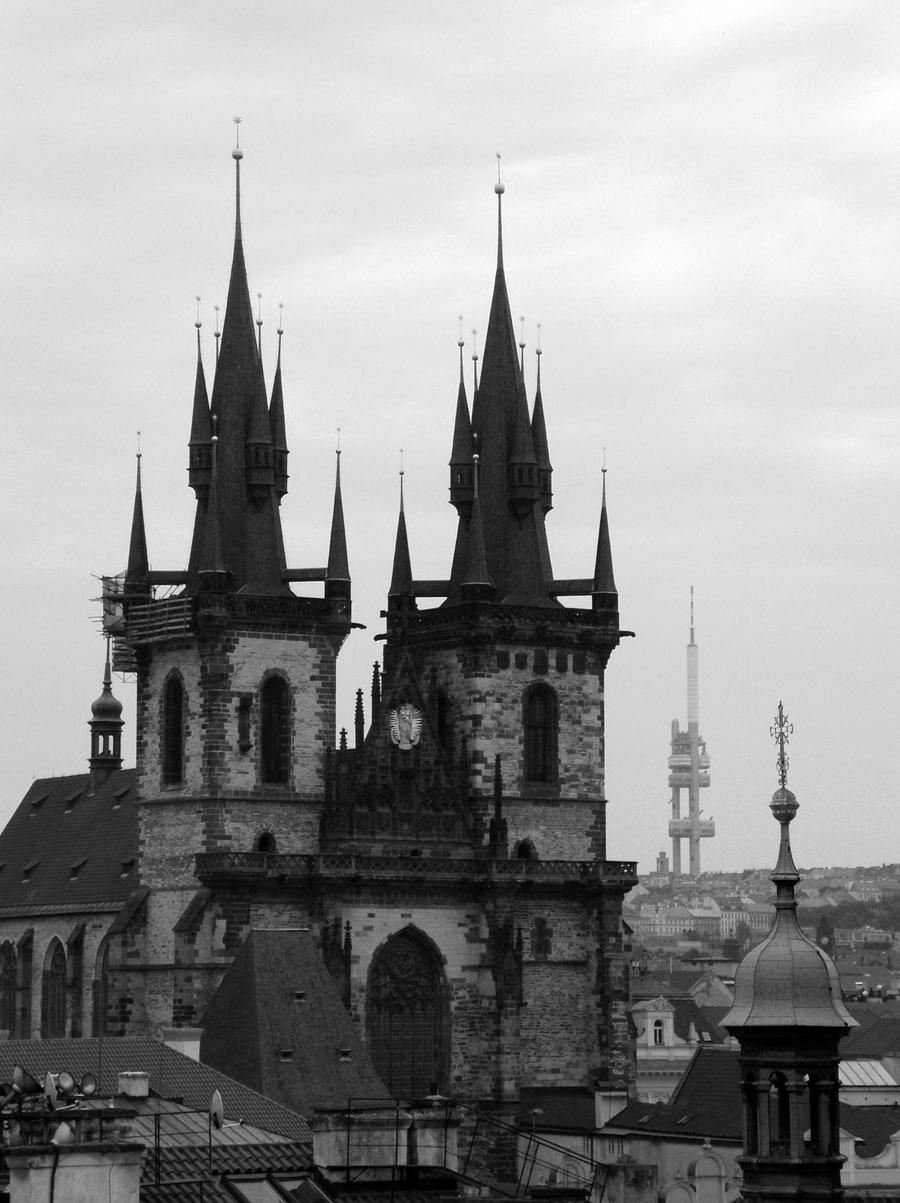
(702, 213)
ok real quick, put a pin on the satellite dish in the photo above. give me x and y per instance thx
(88, 1085)
(65, 1082)
(216, 1110)
(23, 1082)
(50, 1091)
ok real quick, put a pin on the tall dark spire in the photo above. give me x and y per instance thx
(137, 575)
(248, 521)
(604, 593)
(200, 445)
(400, 593)
(541, 446)
(515, 545)
(476, 582)
(277, 424)
(461, 470)
(337, 574)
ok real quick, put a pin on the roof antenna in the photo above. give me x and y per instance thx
(218, 332)
(259, 322)
(475, 359)
(522, 345)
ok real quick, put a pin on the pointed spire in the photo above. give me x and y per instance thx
(401, 588)
(276, 419)
(249, 524)
(359, 721)
(461, 471)
(213, 572)
(539, 439)
(476, 583)
(337, 573)
(604, 593)
(137, 574)
(200, 446)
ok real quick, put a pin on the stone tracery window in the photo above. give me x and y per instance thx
(407, 1017)
(53, 992)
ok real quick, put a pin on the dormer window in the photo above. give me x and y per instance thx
(76, 867)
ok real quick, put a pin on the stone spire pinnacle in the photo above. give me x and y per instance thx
(137, 574)
(249, 524)
(337, 573)
(401, 588)
(276, 420)
(604, 594)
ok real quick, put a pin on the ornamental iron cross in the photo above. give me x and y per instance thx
(781, 731)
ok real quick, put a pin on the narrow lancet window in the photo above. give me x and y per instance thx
(274, 742)
(541, 722)
(173, 731)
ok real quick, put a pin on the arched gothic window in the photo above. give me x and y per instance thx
(53, 992)
(275, 731)
(407, 1017)
(265, 842)
(658, 1032)
(173, 730)
(8, 988)
(541, 721)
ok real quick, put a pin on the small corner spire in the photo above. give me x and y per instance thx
(137, 573)
(605, 594)
(337, 573)
(476, 584)
(401, 592)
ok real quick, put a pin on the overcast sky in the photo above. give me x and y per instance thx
(702, 213)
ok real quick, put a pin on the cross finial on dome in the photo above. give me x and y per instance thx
(781, 731)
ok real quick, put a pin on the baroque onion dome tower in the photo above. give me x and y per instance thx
(485, 919)
(235, 686)
(788, 1017)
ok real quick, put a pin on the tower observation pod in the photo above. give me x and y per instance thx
(689, 771)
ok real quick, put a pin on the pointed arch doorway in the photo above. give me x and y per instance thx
(408, 1015)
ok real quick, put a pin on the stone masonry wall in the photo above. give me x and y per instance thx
(216, 675)
(486, 688)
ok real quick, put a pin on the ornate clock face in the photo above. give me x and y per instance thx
(406, 725)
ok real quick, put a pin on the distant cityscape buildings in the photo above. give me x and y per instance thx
(689, 771)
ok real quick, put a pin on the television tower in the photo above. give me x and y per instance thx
(689, 770)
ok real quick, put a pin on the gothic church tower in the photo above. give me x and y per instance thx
(235, 679)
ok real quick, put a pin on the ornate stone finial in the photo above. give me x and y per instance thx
(781, 731)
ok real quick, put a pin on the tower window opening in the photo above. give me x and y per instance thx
(541, 738)
(658, 1032)
(275, 710)
(173, 731)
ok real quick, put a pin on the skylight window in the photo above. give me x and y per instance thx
(37, 803)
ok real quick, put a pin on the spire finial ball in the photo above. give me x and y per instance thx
(499, 187)
(237, 153)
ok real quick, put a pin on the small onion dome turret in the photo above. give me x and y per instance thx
(787, 980)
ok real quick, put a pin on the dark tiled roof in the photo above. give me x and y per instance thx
(172, 1076)
(566, 1108)
(875, 1041)
(705, 1103)
(81, 847)
(258, 1030)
